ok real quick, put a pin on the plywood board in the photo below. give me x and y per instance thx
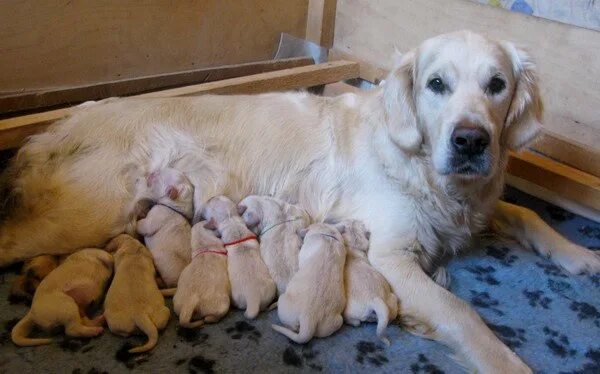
(62, 43)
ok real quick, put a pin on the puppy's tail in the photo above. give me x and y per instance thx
(186, 314)
(252, 308)
(168, 292)
(22, 329)
(145, 324)
(383, 317)
(306, 332)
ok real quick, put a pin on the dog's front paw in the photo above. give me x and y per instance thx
(577, 260)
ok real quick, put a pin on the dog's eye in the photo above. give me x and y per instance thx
(436, 85)
(496, 85)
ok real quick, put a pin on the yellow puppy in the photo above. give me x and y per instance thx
(32, 273)
(63, 295)
(133, 299)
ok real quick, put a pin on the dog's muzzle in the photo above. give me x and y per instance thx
(470, 151)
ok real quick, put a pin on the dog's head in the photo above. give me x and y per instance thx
(356, 235)
(465, 99)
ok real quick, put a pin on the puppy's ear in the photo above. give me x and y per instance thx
(172, 192)
(302, 233)
(251, 219)
(399, 103)
(368, 235)
(210, 224)
(523, 121)
(241, 209)
(341, 228)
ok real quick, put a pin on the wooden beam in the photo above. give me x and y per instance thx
(13, 131)
(564, 180)
(320, 22)
(126, 87)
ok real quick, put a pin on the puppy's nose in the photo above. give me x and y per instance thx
(470, 141)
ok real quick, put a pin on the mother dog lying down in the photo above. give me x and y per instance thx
(419, 160)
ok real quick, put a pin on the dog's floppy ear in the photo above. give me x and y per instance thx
(210, 224)
(251, 219)
(302, 233)
(399, 103)
(523, 121)
(341, 228)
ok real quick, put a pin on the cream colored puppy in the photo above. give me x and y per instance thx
(277, 224)
(63, 296)
(169, 187)
(252, 288)
(314, 300)
(203, 289)
(133, 299)
(167, 235)
(369, 296)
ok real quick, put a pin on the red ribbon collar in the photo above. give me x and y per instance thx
(248, 238)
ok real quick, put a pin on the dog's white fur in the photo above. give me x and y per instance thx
(167, 234)
(133, 301)
(63, 296)
(252, 288)
(166, 186)
(314, 300)
(277, 224)
(376, 156)
(203, 289)
(369, 297)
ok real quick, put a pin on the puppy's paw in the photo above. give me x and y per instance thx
(577, 260)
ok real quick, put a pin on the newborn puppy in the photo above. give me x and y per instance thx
(277, 223)
(367, 291)
(203, 289)
(32, 273)
(133, 299)
(251, 285)
(167, 235)
(63, 296)
(314, 300)
(169, 187)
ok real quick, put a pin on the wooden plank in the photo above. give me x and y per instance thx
(54, 44)
(13, 131)
(320, 22)
(126, 87)
(568, 61)
(564, 180)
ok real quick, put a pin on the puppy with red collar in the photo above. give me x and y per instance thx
(203, 289)
(252, 288)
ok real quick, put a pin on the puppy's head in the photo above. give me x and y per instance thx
(464, 100)
(320, 231)
(219, 209)
(356, 235)
(93, 254)
(204, 236)
(124, 245)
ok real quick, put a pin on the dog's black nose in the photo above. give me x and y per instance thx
(470, 141)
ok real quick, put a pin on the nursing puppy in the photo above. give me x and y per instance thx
(277, 224)
(169, 187)
(367, 291)
(32, 273)
(314, 300)
(252, 288)
(133, 299)
(203, 290)
(63, 296)
(167, 235)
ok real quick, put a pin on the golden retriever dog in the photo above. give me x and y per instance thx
(420, 160)
(64, 295)
(133, 301)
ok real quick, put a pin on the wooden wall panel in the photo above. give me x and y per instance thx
(61, 43)
(568, 57)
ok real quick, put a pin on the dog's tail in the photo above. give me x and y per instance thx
(187, 313)
(305, 333)
(383, 317)
(168, 292)
(148, 327)
(22, 329)
(252, 308)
